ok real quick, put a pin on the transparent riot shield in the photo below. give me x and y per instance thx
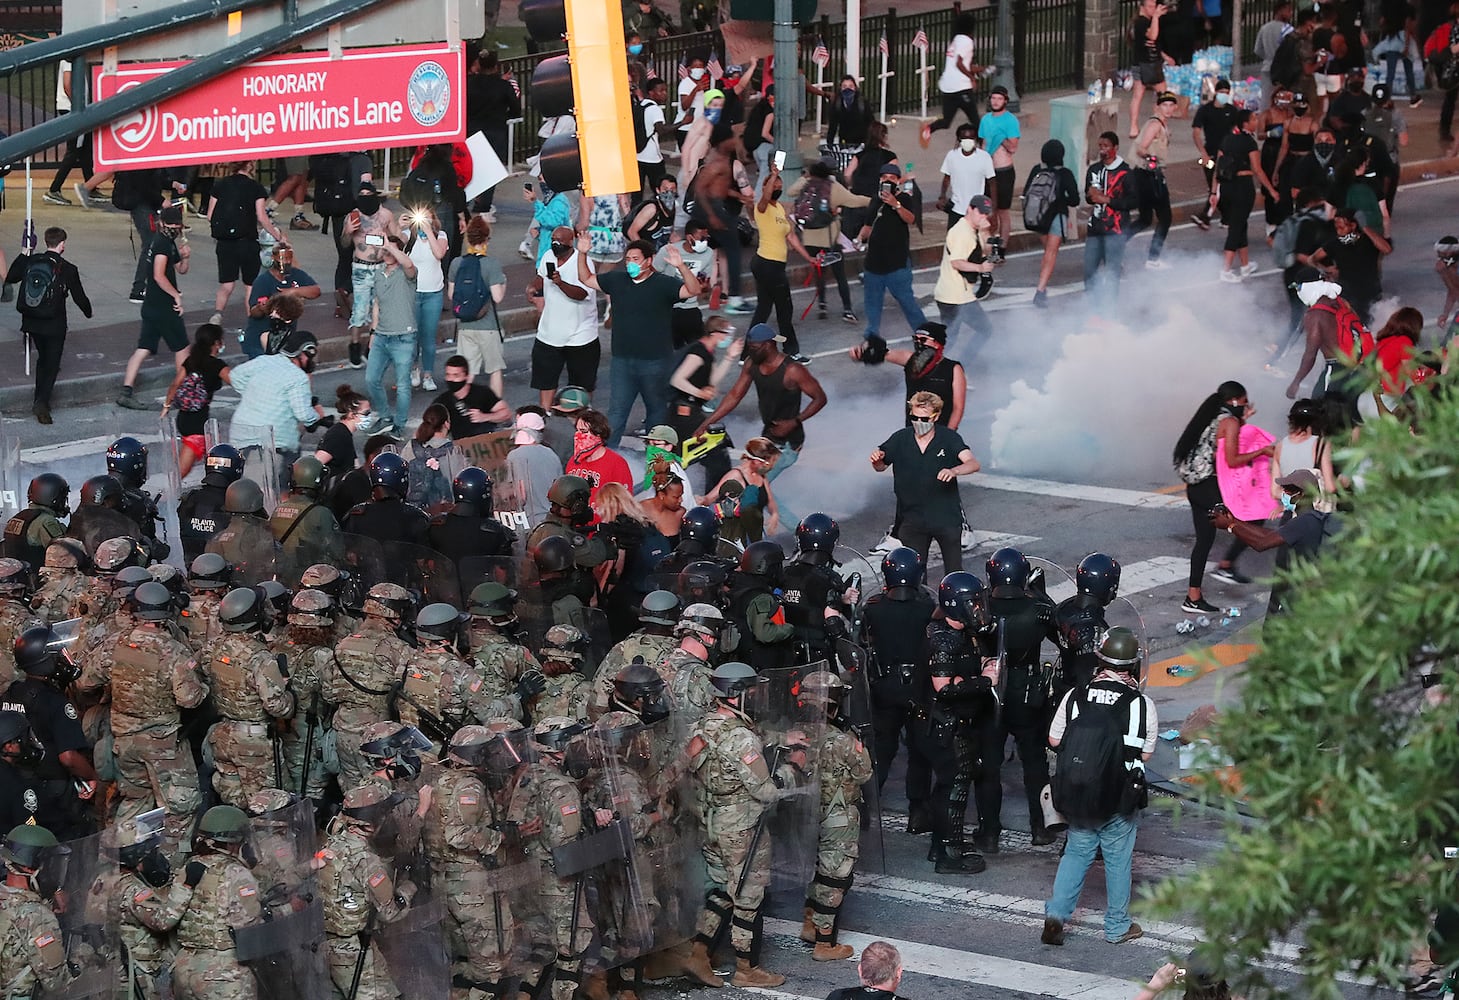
(86, 875)
(94, 525)
(364, 560)
(166, 458)
(249, 546)
(786, 721)
(213, 432)
(286, 951)
(516, 925)
(1050, 579)
(13, 478)
(534, 613)
(423, 571)
(856, 714)
(867, 567)
(261, 463)
(1121, 612)
(593, 623)
(476, 570)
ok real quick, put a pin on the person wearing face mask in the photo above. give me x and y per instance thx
(1318, 170)
(473, 406)
(698, 256)
(1353, 259)
(275, 398)
(850, 115)
(281, 281)
(336, 448)
(1332, 328)
(653, 219)
(366, 230)
(594, 461)
(1109, 185)
(926, 459)
(692, 90)
(772, 283)
(202, 361)
(926, 368)
(888, 263)
(1238, 172)
(1299, 534)
(167, 256)
(1210, 126)
(702, 367)
(966, 171)
(567, 331)
(824, 240)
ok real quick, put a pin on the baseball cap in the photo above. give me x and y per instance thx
(663, 432)
(1302, 479)
(711, 94)
(368, 187)
(937, 331)
(762, 333)
(529, 427)
(890, 169)
(981, 203)
(570, 399)
(1223, 84)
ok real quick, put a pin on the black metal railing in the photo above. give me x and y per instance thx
(1254, 13)
(29, 97)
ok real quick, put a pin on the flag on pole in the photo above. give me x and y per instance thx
(919, 41)
(715, 67)
(822, 55)
(882, 45)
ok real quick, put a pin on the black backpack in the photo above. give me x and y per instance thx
(1041, 199)
(640, 126)
(41, 289)
(334, 190)
(230, 220)
(128, 188)
(1286, 66)
(1092, 783)
(418, 193)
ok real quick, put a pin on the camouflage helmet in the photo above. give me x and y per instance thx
(209, 571)
(268, 800)
(468, 746)
(311, 609)
(556, 731)
(491, 600)
(377, 734)
(14, 576)
(387, 600)
(322, 576)
(563, 643)
(823, 689)
(224, 824)
(114, 553)
(168, 575)
(368, 804)
(703, 620)
(27, 846)
(67, 553)
(659, 607)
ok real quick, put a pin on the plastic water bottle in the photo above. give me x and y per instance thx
(1233, 612)
(1181, 670)
(1109, 89)
(1093, 93)
(1203, 622)
(1185, 627)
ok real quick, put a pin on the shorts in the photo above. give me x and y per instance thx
(482, 350)
(196, 443)
(581, 363)
(1003, 188)
(169, 328)
(291, 165)
(1327, 83)
(1151, 73)
(238, 258)
(1059, 226)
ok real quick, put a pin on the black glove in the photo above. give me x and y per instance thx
(531, 684)
(874, 351)
(194, 874)
(511, 836)
(283, 665)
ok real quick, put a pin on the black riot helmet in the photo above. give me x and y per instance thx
(816, 537)
(15, 730)
(389, 476)
(961, 596)
(473, 485)
(702, 582)
(50, 491)
(1008, 568)
(102, 491)
(553, 554)
(127, 460)
(39, 652)
(224, 464)
(1099, 576)
(764, 559)
(640, 687)
(902, 567)
(701, 529)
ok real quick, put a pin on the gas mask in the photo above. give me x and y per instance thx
(154, 868)
(577, 762)
(51, 875)
(654, 707)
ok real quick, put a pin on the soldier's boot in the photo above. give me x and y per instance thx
(747, 974)
(919, 817)
(827, 950)
(629, 980)
(667, 963)
(699, 968)
(595, 986)
(808, 929)
(951, 860)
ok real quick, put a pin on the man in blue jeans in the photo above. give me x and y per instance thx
(888, 263)
(642, 302)
(1098, 824)
(393, 342)
(1109, 185)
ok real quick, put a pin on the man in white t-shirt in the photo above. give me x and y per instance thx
(651, 156)
(959, 80)
(966, 171)
(691, 95)
(687, 320)
(567, 332)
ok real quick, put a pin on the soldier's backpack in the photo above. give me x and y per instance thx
(1093, 782)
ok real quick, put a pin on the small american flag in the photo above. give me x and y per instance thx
(515, 85)
(919, 41)
(822, 55)
(715, 67)
(683, 69)
(882, 45)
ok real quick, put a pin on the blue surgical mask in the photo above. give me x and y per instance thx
(634, 268)
(711, 115)
(724, 344)
(635, 48)
(1223, 98)
(1288, 504)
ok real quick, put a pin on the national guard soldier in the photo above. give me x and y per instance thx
(766, 639)
(360, 893)
(737, 785)
(45, 674)
(100, 600)
(512, 674)
(275, 610)
(468, 529)
(95, 648)
(1080, 623)
(367, 665)
(200, 513)
(1017, 621)
(33, 960)
(339, 586)
(63, 580)
(246, 541)
(30, 532)
(896, 623)
(566, 588)
(811, 585)
(153, 677)
(393, 752)
(569, 513)
(126, 460)
(250, 690)
(686, 670)
(309, 647)
(843, 766)
(658, 613)
(302, 524)
(440, 691)
(225, 898)
(99, 516)
(209, 577)
(566, 691)
(464, 838)
(957, 695)
(698, 542)
(15, 613)
(386, 516)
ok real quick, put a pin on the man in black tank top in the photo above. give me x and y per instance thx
(925, 369)
(779, 385)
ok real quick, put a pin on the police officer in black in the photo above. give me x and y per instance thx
(468, 529)
(703, 581)
(956, 693)
(126, 459)
(698, 542)
(67, 773)
(1079, 621)
(753, 604)
(99, 515)
(896, 623)
(28, 533)
(200, 513)
(812, 585)
(387, 517)
(24, 797)
(1017, 620)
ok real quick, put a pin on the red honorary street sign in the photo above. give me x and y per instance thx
(290, 104)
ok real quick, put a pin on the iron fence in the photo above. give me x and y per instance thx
(1254, 13)
(29, 98)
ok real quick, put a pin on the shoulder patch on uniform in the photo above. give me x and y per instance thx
(247, 890)
(45, 940)
(751, 757)
(467, 800)
(476, 685)
(569, 810)
(142, 896)
(376, 879)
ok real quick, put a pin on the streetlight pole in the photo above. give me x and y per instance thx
(789, 93)
(1003, 54)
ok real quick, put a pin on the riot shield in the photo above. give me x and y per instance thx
(413, 944)
(94, 525)
(13, 478)
(476, 570)
(593, 623)
(286, 951)
(248, 545)
(849, 561)
(262, 464)
(423, 571)
(88, 875)
(518, 922)
(1050, 578)
(856, 710)
(534, 613)
(1121, 612)
(793, 822)
(166, 458)
(364, 559)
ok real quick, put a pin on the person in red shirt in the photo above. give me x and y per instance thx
(593, 460)
(1401, 366)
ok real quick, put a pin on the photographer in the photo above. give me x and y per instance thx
(888, 263)
(965, 276)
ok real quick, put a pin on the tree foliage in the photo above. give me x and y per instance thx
(1350, 770)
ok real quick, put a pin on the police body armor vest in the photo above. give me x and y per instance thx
(1080, 622)
(951, 653)
(199, 619)
(805, 591)
(200, 514)
(760, 655)
(1023, 633)
(141, 687)
(16, 544)
(898, 632)
(235, 692)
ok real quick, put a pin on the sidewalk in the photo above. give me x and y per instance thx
(100, 244)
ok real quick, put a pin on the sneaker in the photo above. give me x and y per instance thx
(820, 314)
(888, 542)
(738, 306)
(427, 383)
(1203, 222)
(801, 359)
(969, 541)
(356, 356)
(82, 195)
(128, 401)
(1415, 101)
(1053, 931)
(850, 317)
(1156, 264)
(1229, 574)
(524, 251)
(42, 413)
(1231, 277)
(301, 221)
(1133, 933)
(1247, 270)
(1199, 605)
(216, 319)
(56, 198)
(415, 378)
(135, 298)
(1041, 299)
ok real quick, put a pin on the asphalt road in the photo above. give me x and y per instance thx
(1073, 417)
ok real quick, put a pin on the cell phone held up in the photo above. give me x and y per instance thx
(551, 270)
(374, 240)
(886, 187)
(780, 159)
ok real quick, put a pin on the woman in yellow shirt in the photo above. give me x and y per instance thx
(772, 284)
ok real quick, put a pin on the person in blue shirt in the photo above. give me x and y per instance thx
(1000, 134)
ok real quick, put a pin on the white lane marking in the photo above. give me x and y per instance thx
(1077, 491)
(1137, 577)
(84, 448)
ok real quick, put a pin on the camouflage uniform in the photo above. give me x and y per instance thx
(207, 967)
(14, 617)
(358, 894)
(653, 648)
(32, 956)
(310, 652)
(686, 677)
(843, 766)
(249, 692)
(154, 675)
(501, 663)
(199, 621)
(145, 918)
(373, 659)
(59, 597)
(441, 684)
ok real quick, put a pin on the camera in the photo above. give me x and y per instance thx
(1450, 853)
